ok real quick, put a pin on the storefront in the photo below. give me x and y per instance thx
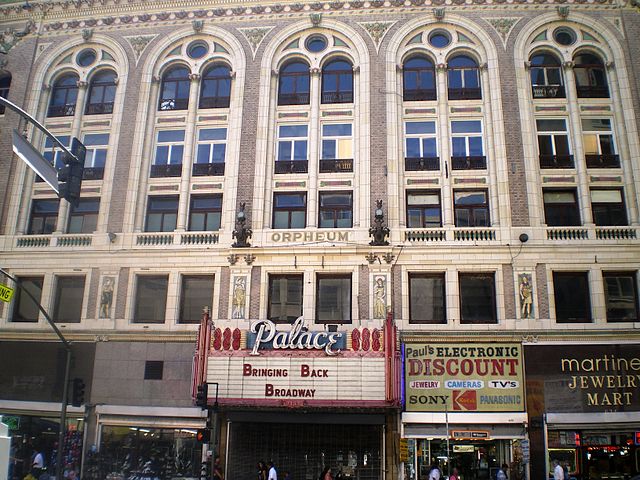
(464, 407)
(584, 409)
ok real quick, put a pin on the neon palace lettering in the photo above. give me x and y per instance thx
(297, 338)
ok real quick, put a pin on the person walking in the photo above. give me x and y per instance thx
(434, 473)
(558, 471)
(217, 469)
(262, 470)
(326, 474)
(273, 473)
(502, 472)
(454, 474)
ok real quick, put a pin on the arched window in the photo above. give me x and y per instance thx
(102, 93)
(174, 93)
(5, 83)
(216, 87)
(591, 78)
(546, 76)
(337, 82)
(294, 84)
(419, 77)
(464, 78)
(64, 96)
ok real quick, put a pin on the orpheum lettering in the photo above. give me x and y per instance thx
(272, 391)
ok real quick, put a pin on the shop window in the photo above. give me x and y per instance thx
(421, 146)
(102, 93)
(292, 149)
(205, 213)
(195, 294)
(337, 148)
(423, 209)
(96, 157)
(44, 216)
(162, 214)
(336, 210)
(216, 87)
(151, 299)
(591, 76)
(553, 144)
(466, 145)
(464, 78)
(419, 79)
(25, 309)
(68, 299)
(337, 82)
(561, 208)
(290, 210)
(293, 86)
(572, 299)
(621, 296)
(174, 91)
(5, 84)
(546, 76)
(167, 161)
(599, 147)
(83, 217)
(608, 208)
(212, 148)
(63, 97)
(427, 298)
(471, 208)
(153, 369)
(285, 298)
(477, 298)
(333, 299)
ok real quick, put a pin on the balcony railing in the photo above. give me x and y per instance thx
(99, 108)
(93, 173)
(214, 102)
(592, 91)
(174, 104)
(476, 234)
(556, 161)
(154, 239)
(337, 97)
(293, 99)
(165, 171)
(469, 163)
(208, 169)
(603, 161)
(548, 91)
(419, 95)
(615, 233)
(567, 233)
(199, 238)
(61, 110)
(430, 235)
(465, 94)
(338, 165)
(421, 164)
(291, 166)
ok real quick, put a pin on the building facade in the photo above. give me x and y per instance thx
(431, 207)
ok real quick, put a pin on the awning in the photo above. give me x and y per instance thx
(434, 425)
(594, 421)
(159, 417)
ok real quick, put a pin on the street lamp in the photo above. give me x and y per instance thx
(379, 232)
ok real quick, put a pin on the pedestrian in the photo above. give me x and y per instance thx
(502, 472)
(326, 474)
(565, 470)
(454, 474)
(558, 472)
(273, 473)
(37, 462)
(217, 469)
(262, 470)
(434, 473)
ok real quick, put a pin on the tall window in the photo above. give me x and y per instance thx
(5, 84)
(53, 153)
(572, 301)
(63, 97)
(68, 299)
(471, 208)
(477, 298)
(205, 213)
(337, 148)
(561, 208)
(44, 216)
(83, 218)
(419, 79)
(169, 150)
(621, 296)
(599, 148)
(608, 207)
(212, 147)
(427, 298)
(553, 144)
(195, 294)
(97, 145)
(285, 298)
(174, 92)
(151, 299)
(290, 210)
(102, 93)
(292, 149)
(162, 214)
(336, 210)
(421, 146)
(294, 81)
(337, 82)
(333, 299)
(591, 76)
(546, 76)
(423, 209)
(216, 87)
(464, 78)
(466, 145)
(24, 308)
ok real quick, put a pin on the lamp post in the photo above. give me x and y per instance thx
(379, 232)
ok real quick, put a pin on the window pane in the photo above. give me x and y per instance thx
(606, 196)
(470, 198)
(68, 300)
(203, 154)
(298, 219)
(91, 139)
(551, 125)
(467, 126)
(345, 149)
(427, 299)
(459, 147)
(328, 149)
(590, 142)
(196, 222)
(151, 299)
(213, 134)
(471, 79)
(197, 292)
(334, 300)
(562, 144)
(475, 146)
(330, 130)
(24, 308)
(171, 136)
(284, 151)
(219, 152)
(572, 297)
(477, 298)
(455, 79)
(420, 127)
(285, 298)
(176, 154)
(162, 155)
(293, 131)
(213, 221)
(429, 147)
(413, 147)
(300, 150)
(621, 297)
(545, 145)
(554, 76)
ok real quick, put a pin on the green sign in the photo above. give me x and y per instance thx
(11, 421)
(6, 293)
(464, 377)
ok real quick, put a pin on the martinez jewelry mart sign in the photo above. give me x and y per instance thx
(478, 377)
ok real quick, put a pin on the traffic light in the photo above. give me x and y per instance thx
(203, 435)
(201, 395)
(77, 395)
(70, 174)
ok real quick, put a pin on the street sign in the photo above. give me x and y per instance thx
(470, 434)
(6, 293)
(35, 160)
(404, 450)
(526, 451)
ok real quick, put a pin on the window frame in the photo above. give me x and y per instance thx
(301, 84)
(289, 209)
(337, 209)
(168, 169)
(186, 300)
(180, 102)
(423, 207)
(68, 107)
(94, 170)
(557, 214)
(290, 163)
(334, 276)
(469, 305)
(472, 208)
(569, 302)
(154, 301)
(339, 95)
(600, 158)
(593, 89)
(422, 162)
(64, 302)
(105, 89)
(415, 276)
(5, 87)
(270, 296)
(467, 161)
(554, 159)
(162, 212)
(206, 212)
(633, 276)
(419, 94)
(610, 208)
(78, 212)
(546, 89)
(35, 285)
(219, 82)
(212, 166)
(463, 92)
(337, 164)
(46, 217)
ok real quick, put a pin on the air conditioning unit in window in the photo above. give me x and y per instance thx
(331, 327)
